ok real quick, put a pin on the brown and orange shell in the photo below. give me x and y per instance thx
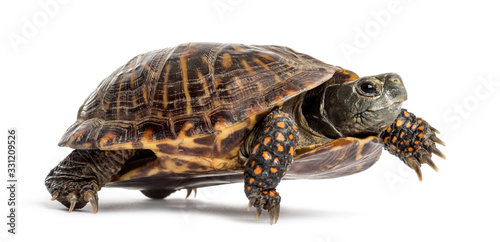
(192, 91)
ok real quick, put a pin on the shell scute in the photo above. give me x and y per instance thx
(209, 86)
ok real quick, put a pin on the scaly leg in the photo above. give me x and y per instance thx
(78, 178)
(270, 158)
(413, 140)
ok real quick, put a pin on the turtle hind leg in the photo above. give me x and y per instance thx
(269, 159)
(76, 180)
(413, 141)
(157, 193)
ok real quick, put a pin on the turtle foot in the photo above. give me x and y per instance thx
(413, 140)
(268, 200)
(73, 194)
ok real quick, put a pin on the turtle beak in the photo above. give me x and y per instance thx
(394, 87)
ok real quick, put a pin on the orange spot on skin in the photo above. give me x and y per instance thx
(414, 127)
(276, 160)
(408, 124)
(388, 129)
(251, 180)
(277, 116)
(272, 193)
(291, 151)
(266, 155)
(386, 139)
(267, 130)
(267, 140)
(280, 124)
(257, 170)
(273, 170)
(393, 147)
(294, 128)
(253, 163)
(420, 135)
(416, 142)
(255, 148)
(402, 134)
(417, 147)
(419, 121)
(406, 114)
(280, 147)
(264, 192)
(280, 137)
(421, 128)
(410, 149)
(399, 123)
(393, 139)
(291, 137)
(249, 188)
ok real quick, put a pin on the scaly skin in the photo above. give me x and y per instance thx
(413, 141)
(269, 160)
(78, 178)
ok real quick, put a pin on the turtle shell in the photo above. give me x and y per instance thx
(202, 93)
(341, 157)
(193, 105)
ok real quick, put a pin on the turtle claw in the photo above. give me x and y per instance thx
(274, 213)
(251, 203)
(72, 199)
(74, 195)
(437, 140)
(189, 190)
(54, 196)
(413, 140)
(437, 152)
(91, 196)
(266, 201)
(413, 163)
(427, 160)
(259, 212)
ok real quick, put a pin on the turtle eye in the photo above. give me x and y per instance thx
(367, 88)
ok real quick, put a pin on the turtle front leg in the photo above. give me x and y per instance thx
(269, 160)
(78, 178)
(413, 140)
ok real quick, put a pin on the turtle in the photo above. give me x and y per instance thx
(205, 114)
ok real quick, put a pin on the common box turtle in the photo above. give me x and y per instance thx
(203, 114)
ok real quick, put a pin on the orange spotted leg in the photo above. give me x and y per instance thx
(413, 140)
(269, 160)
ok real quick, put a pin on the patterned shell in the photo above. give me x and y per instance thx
(192, 90)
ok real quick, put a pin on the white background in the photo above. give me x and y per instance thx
(53, 54)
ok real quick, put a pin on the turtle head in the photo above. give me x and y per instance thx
(365, 106)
